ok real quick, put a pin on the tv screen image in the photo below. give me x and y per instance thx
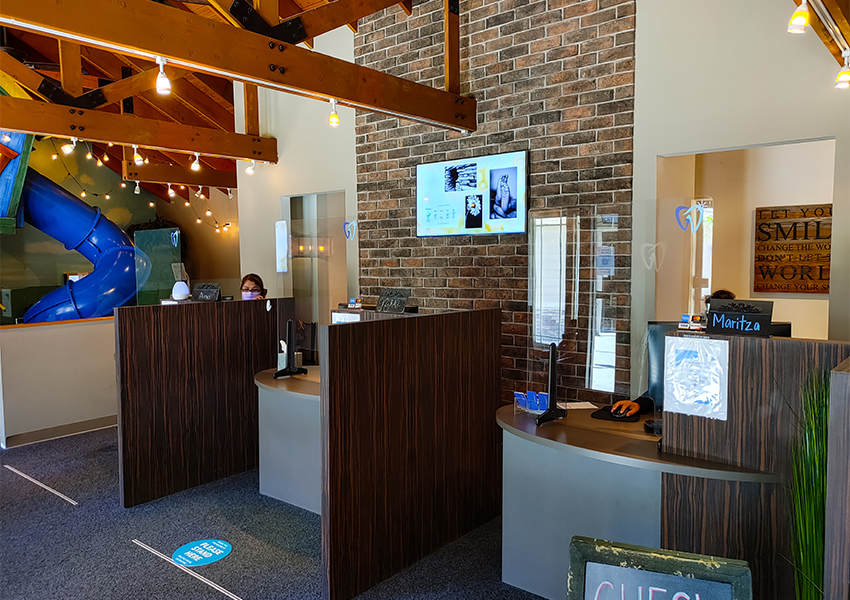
(472, 196)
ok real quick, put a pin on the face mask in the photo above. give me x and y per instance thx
(249, 295)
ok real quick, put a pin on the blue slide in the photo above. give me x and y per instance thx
(62, 216)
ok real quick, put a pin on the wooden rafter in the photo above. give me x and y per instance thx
(328, 17)
(136, 26)
(176, 175)
(71, 68)
(41, 118)
(451, 44)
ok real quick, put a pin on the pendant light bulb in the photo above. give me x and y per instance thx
(107, 196)
(88, 155)
(163, 84)
(842, 81)
(151, 204)
(171, 193)
(138, 189)
(137, 158)
(54, 156)
(196, 166)
(123, 184)
(69, 147)
(249, 170)
(209, 213)
(333, 119)
(83, 194)
(99, 163)
(187, 203)
(800, 19)
(198, 220)
(198, 193)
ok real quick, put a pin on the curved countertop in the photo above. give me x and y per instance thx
(622, 443)
(301, 385)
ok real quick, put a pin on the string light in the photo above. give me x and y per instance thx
(198, 220)
(249, 170)
(217, 230)
(209, 213)
(83, 194)
(54, 156)
(171, 193)
(111, 144)
(228, 224)
(151, 204)
(202, 196)
(182, 187)
(69, 147)
(842, 82)
(107, 196)
(123, 184)
(99, 163)
(138, 189)
(186, 203)
(333, 118)
(196, 166)
(137, 158)
(106, 157)
(147, 160)
(163, 83)
(88, 155)
(800, 19)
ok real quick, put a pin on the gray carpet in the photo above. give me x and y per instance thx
(50, 549)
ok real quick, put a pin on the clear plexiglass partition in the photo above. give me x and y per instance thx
(574, 288)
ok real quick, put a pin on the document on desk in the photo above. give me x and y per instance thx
(576, 405)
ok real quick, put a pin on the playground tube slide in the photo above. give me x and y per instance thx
(54, 211)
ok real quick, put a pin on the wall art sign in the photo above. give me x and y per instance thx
(792, 249)
(392, 300)
(690, 217)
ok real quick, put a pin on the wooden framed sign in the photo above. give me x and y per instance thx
(602, 570)
(792, 249)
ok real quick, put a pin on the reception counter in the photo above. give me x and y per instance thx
(290, 438)
(583, 476)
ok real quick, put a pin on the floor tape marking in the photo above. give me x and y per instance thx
(38, 483)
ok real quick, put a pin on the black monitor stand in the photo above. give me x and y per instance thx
(290, 369)
(553, 411)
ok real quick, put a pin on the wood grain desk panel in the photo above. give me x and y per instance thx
(411, 456)
(187, 403)
(765, 378)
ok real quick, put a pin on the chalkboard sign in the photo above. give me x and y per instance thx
(392, 301)
(739, 317)
(206, 292)
(601, 570)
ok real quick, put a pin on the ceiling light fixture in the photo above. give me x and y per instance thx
(69, 147)
(229, 194)
(198, 193)
(171, 193)
(196, 166)
(249, 170)
(842, 82)
(333, 118)
(138, 190)
(137, 158)
(163, 84)
(800, 19)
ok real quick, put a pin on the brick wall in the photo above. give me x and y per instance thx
(553, 77)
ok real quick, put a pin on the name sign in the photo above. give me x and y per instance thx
(206, 292)
(392, 301)
(602, 570)
(792, 249)
(740, 317)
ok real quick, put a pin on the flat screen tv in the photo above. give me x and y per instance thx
(472, 196)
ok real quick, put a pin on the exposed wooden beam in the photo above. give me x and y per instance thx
(328, 17)
(406, 6)
(839, 10)
(451, 45)
(26, 77)
(136, 26)
(177, 175)
(140, 82)
(252, 109)
(71, 67)
(41, 118)
(222, 9)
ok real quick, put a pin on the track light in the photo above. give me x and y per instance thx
(842, 82)
(198, 193)
(229, 194)
(138, 189)
(250, 168)
(196, 166)
(333, 119)
(171, 193)
(137, 158)
(800, 19)
(163, 84)
(69, 147)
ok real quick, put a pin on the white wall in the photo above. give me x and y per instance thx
(723, 75)
(313, 158)
(57, 374)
